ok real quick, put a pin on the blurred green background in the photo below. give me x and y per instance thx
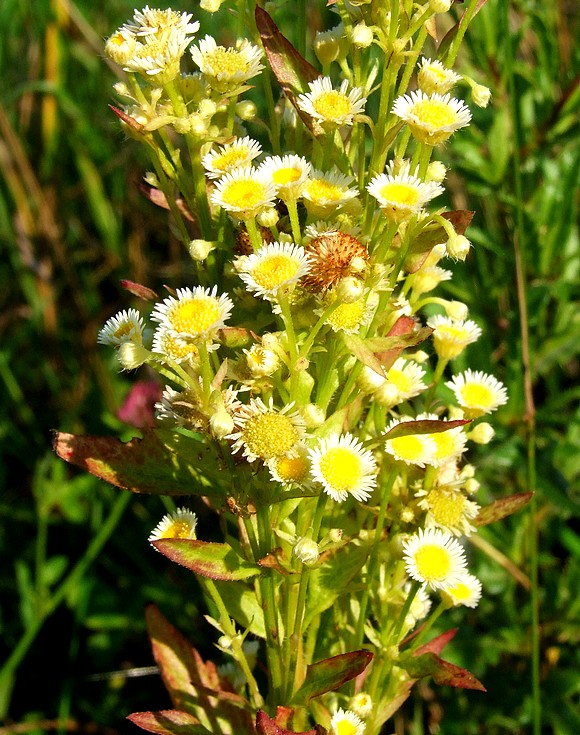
(73, 223)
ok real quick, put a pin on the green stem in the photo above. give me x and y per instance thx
(466, 19)
(105, 531)
(405, 611)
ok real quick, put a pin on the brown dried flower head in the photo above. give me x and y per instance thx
(332, 254)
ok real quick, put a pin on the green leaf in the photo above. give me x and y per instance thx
(424, 426)
(443, 672)
(168, 722)
(502, 508)
(243, 606)
(161, 463)
(208, 559)
(331, 673)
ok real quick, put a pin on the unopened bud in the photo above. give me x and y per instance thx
(246, 110)
(458, 247)
(482, 433)
(362, 35)
(349, 290)
(200, 249)
(361, 704)
(436, 171)
(480, 95)
(207, 108)
(420, 356)
(132, 355)
(313, 416)
(457, 310)
(326, 47)
(221, 423)
(210, 6)
(440, 6)
(306, 550)
(268, 217)
(471, 486)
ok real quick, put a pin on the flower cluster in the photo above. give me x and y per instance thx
(310, 358)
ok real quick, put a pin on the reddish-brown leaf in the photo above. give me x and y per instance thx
(424, 426)
(437, 644)
(168, 722)
(142, 292)
(443, 672)
(208, 559)
(267, 726)
(331, 673)
(502, 508)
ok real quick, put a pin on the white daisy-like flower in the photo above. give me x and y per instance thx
(345, 722)
(402, 195)
(433, 557)
(466, 591)
(167, 345)
(159, 56)
(428, 278)
(153, 22)
(335, 107)
(244, 192)
(126, 326)
(293, 469)
(449, 509)
(431, 118)
(361, 704)
(434, 77)
(181, 408)
(343, 467)
(326, 192)
(193, 313)
(230, 156)
(451, 336)
(288, 173)
(450, 444)
(181, 524)
(120, 47)
(404, 381)
(412, 449)
(227, 69)
(274, 266)
(266, 433)
(477, 392)
(261, 361)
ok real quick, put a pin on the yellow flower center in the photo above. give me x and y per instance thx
(460, 592)
(178, 350)
(341, 469)
(274, 271)
(285, 176)
(451, 333)
(439, 74)
(401, 381)
(405, 196)
(332, 105)
(476, 395)
(226, 62)
(321, 191)
(292, 469)
(244, 194)
(433, 562)
(269, 435)
(344, 727)
(195, 316)
(409, 447)
(178, 529)
(230, 158)
(445, 444)
(124, 330)
(347, 316)
(447, 508)
(434, 114)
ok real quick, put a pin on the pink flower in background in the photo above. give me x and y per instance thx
(138, 408)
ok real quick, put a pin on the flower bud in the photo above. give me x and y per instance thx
(458, 247)
(436, 171)
(246, 110)
(306, 550)
(197, 125)
(268, 217)
(313, 416)
(200, 249)
(120, 47)
(362, 35)
(221, 423)
(132, 355)
(483, 433)
(210, 6)
(326, 47)
(420, 356)
(457, 310)
(480, 95)
(471, 486)
(262, 361)
(361, 704)
(349, 290)
(440, 6)
(207, 108)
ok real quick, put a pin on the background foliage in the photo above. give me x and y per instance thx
(73, 223)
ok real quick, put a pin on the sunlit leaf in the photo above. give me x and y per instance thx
(213, 560)
(501, 508)
(168, 722)
(331, 673)
(443, 672)
(267, 726)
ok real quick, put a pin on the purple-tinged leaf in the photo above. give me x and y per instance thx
(267, 726)
(168, 722)
(502, 508)
(443, 672)
(290, 68)
(161, 463)
(142, 292)
(216, 561)
(437, 644)
(127, 119)
(331, 673)
(424, 426)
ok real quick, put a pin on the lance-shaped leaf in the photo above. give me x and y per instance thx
(157, 197)
(127, 119)
(243, 606)
(437, 644)
(168, 722)
(193, 685)
(424, 426)
(331, 673)
(450, 35)
(380, 353)
(216, 561)
(267, 726)
(443, 672)
(502, 508)
(161, 463)
(290, 68)
(143, 292)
